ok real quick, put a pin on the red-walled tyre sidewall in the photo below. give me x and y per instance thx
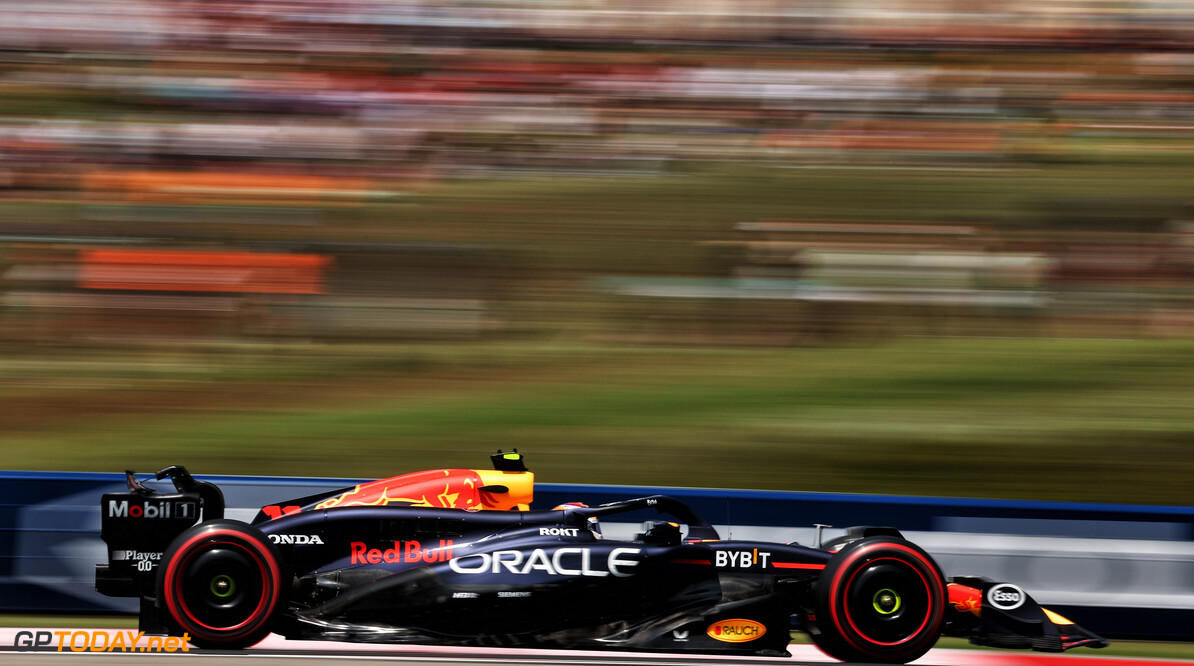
(880, 600)
(222, 583)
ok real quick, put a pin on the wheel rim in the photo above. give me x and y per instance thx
(888, 602)
(222, 586)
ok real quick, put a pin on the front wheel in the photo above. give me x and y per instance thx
(880, 600)
(221, 583)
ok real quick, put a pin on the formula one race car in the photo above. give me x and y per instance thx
(455, 557)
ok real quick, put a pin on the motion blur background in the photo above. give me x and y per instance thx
(939, 247)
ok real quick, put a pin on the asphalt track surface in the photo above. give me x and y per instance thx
(275, 651)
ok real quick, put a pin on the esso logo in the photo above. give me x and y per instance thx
(1006, 597)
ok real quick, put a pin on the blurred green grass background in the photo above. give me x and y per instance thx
(1104, 420)
(1027, 409)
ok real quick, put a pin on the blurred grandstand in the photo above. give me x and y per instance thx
(240, 138)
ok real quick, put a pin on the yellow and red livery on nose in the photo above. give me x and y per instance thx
(965, 599)
(468, 489)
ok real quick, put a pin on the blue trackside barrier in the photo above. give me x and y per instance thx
(1123, 571)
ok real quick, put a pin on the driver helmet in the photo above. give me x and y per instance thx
(592, 523)
(662, 533)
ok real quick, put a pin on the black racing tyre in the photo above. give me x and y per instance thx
(880, 600)
(221, 582)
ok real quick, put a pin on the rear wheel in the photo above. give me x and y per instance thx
(880, 600)
(221, 583)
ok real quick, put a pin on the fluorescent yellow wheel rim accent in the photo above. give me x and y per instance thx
(887, 602)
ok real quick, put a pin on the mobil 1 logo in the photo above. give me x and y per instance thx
(151, 509)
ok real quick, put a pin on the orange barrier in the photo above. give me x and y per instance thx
(203, 186)
(916, 136)
(204, 271)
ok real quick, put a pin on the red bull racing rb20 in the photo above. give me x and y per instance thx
(457, 557)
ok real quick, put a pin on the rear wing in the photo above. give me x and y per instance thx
(139, 524)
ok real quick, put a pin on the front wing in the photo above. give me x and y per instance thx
(1004, 615)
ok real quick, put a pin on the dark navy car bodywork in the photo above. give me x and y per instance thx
(536, 578)
(383, 563)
